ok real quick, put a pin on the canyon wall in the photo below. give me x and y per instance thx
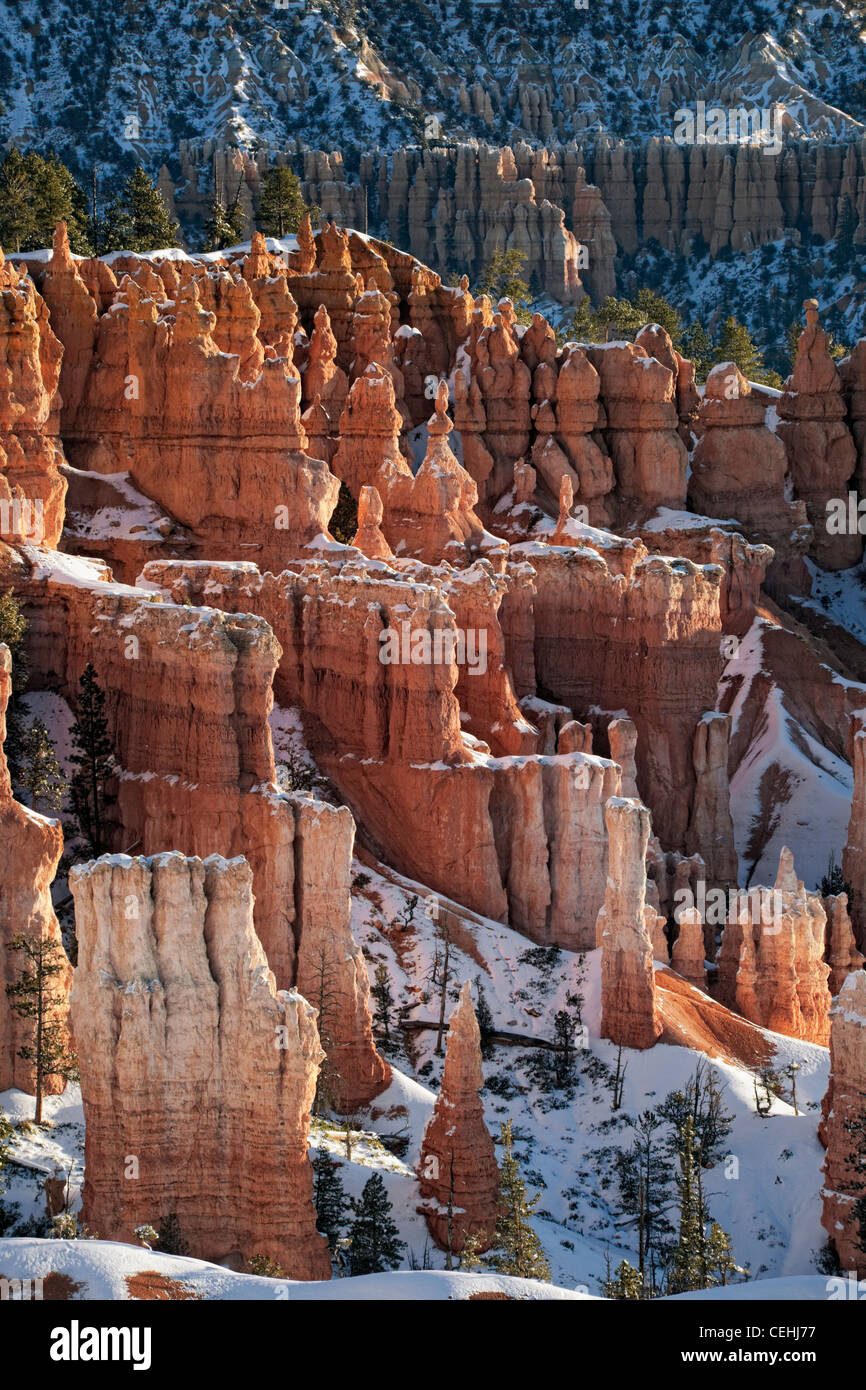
(453, 207)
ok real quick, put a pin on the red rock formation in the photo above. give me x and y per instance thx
(370, 427)
(711, 829)
(523, 836)
(332, 973)
(619, 629)
(656, 342)
(629, 1007)
(774, 939)
(622, 735)
(504, 381)
(371, 337)
(577, 435)
(841, 952)
(739, 466)
(304, 259)
(655, 923)
(30, 850)
(236, 319)
(687, 957)
(32, 490)
(470, 419)
(457, 1172)
(278, 312)
(845, 1103)
(744, 566)
(649, 458)
(575, 737)
(223, 452)
(198, 775)
(322, 377)
(197, 1076)
(332, 284)
(821, 453)
(854, 855)
(75, 320)
(369, 536)
(431, 516)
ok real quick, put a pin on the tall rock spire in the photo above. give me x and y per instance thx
(458, 1173)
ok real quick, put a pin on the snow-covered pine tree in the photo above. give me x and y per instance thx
(627, 1283)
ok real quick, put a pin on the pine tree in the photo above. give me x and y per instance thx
(138, 219)
(16, 209)
(645, 1192)
(518, 1250)
(720, 1256)
(442, 974)
(654, 308)
(344, 518)
(563, 1033)
(503, 278)
(57, 197)
(701, 1101)
(225, 225)
(471, 1256)
(584, 326)
(374, 1241)
(619, 318)
(384, 1001)
(282, 205)
(326, 999)
(39, 781)
(329, 1196)
(266, 1267)
(486, 1025)
(689, 1256)
(834, 881)
(34, 996)
(734, 344)
(627, 1284)
(93, 759)
(698, 348)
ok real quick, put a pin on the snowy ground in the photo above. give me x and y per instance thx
(840, 595)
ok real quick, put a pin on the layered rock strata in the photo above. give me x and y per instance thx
(177, 1015)
(629, 1006)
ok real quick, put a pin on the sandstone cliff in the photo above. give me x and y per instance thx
(197, 1074)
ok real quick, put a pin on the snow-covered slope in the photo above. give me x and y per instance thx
(105, 83)
(765, 1192)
